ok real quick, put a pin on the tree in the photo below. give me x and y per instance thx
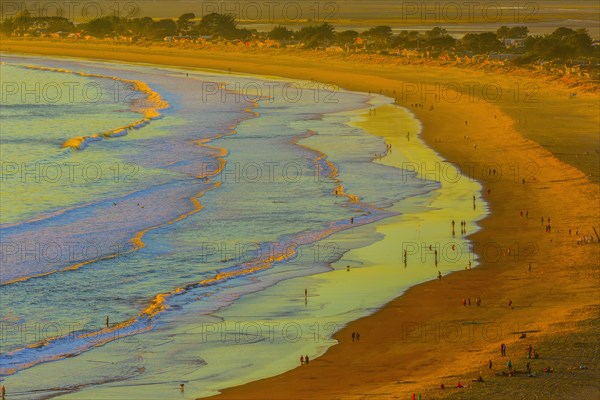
(8, 26)
(243, 34)
(280, 33)
(380, 35)
(162, 28)
(438, 39)
(503, 32)
(99, 27)
(561, 33)
(184, 23)
(481, 43)
(346, 37)
(563, 43)
(316, 34)
(442, 43)
(436, 32)
(222, 25)
(580, 42)
(518, 32)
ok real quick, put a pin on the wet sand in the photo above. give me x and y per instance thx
(426, 336)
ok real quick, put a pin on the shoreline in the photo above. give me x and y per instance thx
(515, 92)
(558, 191)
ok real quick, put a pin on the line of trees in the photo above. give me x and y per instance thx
(563, 43)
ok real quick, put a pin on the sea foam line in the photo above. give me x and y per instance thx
(142, 322)
(150, 112)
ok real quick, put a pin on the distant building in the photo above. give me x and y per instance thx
(516, 43)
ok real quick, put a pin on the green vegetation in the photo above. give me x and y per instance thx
(563, 44)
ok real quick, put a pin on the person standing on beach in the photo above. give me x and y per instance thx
(353, 336)
(3, 390)
(306, 359)
(439, 276)
(301, 360)
(107, 321)
(503, 350)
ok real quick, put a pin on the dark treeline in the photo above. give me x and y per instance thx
(562, 44)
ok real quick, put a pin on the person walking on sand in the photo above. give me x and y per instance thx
(107, 321)
(306, 360)
(357, 336)
(301, 360)
(439, 276)
(509, 303)
(503, 350)
(3, 391)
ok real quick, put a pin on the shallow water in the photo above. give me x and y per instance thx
(201, 270)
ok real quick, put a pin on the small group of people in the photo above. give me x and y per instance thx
(585, 239)
(458, 386)
(463, 227)
(304, 360)
(355, 336)
(532, 353)
(467, 301)
(526, 214)
(548, 225)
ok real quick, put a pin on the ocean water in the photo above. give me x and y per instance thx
(195, 232)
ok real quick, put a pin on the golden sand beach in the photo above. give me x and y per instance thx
(545, 154)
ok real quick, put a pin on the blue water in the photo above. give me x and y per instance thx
(272, 198)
